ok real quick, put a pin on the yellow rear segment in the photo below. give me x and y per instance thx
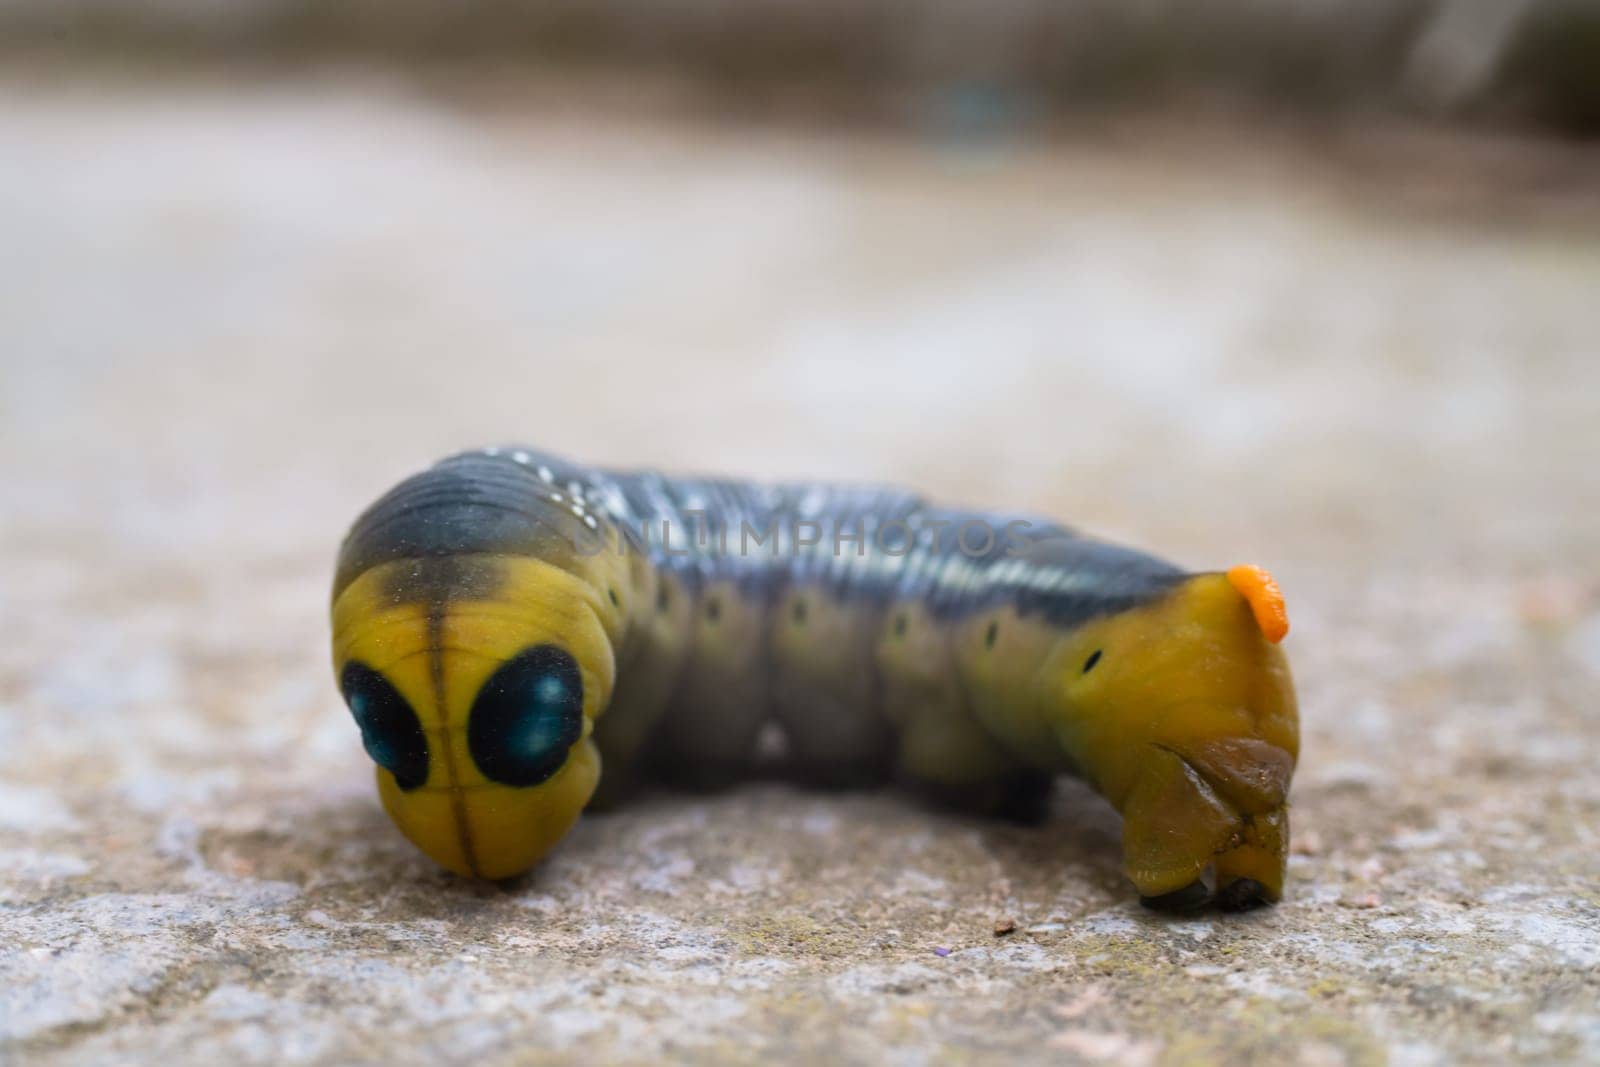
(1183, 714)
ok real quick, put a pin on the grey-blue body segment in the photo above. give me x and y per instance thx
(748, 559)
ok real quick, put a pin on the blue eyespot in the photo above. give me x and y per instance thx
(390, 731)
(527, 715)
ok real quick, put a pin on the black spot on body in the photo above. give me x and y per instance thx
(526, 717)
(713, 609)
(1094, 658)
(390, 730)
(991, 634)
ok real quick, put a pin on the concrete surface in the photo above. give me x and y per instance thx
(231, 314)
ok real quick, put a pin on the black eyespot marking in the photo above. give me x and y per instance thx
(800, 611)
(390, 731)
(616, 602)
(899, 625)
(1094, 657)
(713, 609)
(661, 599)
(526, 717)
(990, 635)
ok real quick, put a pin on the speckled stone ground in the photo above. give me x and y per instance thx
(232, 314)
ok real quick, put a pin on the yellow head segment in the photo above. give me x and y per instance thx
(475, 682)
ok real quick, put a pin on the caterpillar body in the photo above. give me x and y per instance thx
(506, 623)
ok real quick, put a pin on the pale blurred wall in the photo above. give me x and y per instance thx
(234, 315)
(953, 60)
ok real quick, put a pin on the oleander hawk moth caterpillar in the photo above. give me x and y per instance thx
(506, 623)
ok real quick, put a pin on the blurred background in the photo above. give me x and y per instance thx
(1314, 284)
(1126, 261)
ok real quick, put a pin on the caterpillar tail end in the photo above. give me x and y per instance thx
(1210, 825)
(1249, 875)
(1204, 783)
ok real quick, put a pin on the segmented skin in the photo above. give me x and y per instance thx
(501, 499)
(763, 560)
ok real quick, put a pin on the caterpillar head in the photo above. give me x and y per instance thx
(1183, 713)
(472, 641)
(475, 681)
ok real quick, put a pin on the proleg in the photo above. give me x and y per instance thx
(507, 623)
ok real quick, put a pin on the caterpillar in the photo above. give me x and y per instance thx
(506, 622)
